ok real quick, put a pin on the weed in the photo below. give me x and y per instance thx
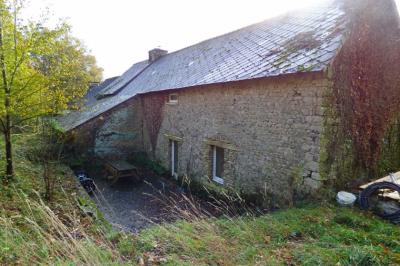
(57, 233)
(360, 257)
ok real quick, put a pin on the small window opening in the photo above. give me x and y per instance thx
(173, 98)
(217, 164)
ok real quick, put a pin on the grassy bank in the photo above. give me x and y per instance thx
(33, 231)
(302, 236)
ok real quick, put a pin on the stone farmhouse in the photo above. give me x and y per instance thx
(244, 110)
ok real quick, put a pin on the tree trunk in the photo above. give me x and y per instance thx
(7, 93)
(9, 155)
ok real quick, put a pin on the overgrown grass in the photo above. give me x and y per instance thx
(33, 231)
(311, 235)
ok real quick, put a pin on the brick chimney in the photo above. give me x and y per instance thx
(156, 53)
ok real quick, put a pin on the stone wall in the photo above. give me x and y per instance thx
(270, 130)
(115, 134)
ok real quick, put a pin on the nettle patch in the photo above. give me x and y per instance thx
(365, 100)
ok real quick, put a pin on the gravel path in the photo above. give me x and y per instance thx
(132, 206)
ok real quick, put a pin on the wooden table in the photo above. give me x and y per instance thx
(391, 195)
(120, 169)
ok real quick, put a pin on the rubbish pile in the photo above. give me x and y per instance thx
(86, 182)
(382, 197)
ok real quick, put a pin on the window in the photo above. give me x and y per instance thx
(173, 98)
(174, 158)
(174, 142)
(217, 164)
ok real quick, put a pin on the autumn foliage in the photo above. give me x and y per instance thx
(367, 78)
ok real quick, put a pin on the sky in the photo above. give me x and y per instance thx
(121, 32)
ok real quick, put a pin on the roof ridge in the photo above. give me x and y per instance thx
(307, 10)
(276, 17)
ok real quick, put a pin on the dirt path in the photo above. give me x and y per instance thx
(132, 206)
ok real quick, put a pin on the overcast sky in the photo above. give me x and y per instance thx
(120, 32)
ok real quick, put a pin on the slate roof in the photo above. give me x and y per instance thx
(120, 83)
(91, 95)
(303, 41)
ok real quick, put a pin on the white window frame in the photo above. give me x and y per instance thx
(216, 178)
(171, 101)
(173, 173)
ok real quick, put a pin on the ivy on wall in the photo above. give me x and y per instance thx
(366, 87)
(152, 108)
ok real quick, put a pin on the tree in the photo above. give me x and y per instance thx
(96, 73)
(42, 70)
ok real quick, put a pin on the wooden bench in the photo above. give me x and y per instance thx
(120, 169)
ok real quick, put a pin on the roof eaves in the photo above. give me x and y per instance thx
(281, 76)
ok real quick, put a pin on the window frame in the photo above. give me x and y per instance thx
(174, 155)
(218, 179)
(173, 101)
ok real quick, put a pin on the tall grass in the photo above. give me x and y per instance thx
(192, 231)
(38, 235)
(217, 231)
(57, 232)
(234, 234)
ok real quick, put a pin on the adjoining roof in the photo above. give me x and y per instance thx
(301, 41)
(92, 94)
(121, 82)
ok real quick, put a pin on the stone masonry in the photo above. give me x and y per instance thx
(115, 134)
(269, 128)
